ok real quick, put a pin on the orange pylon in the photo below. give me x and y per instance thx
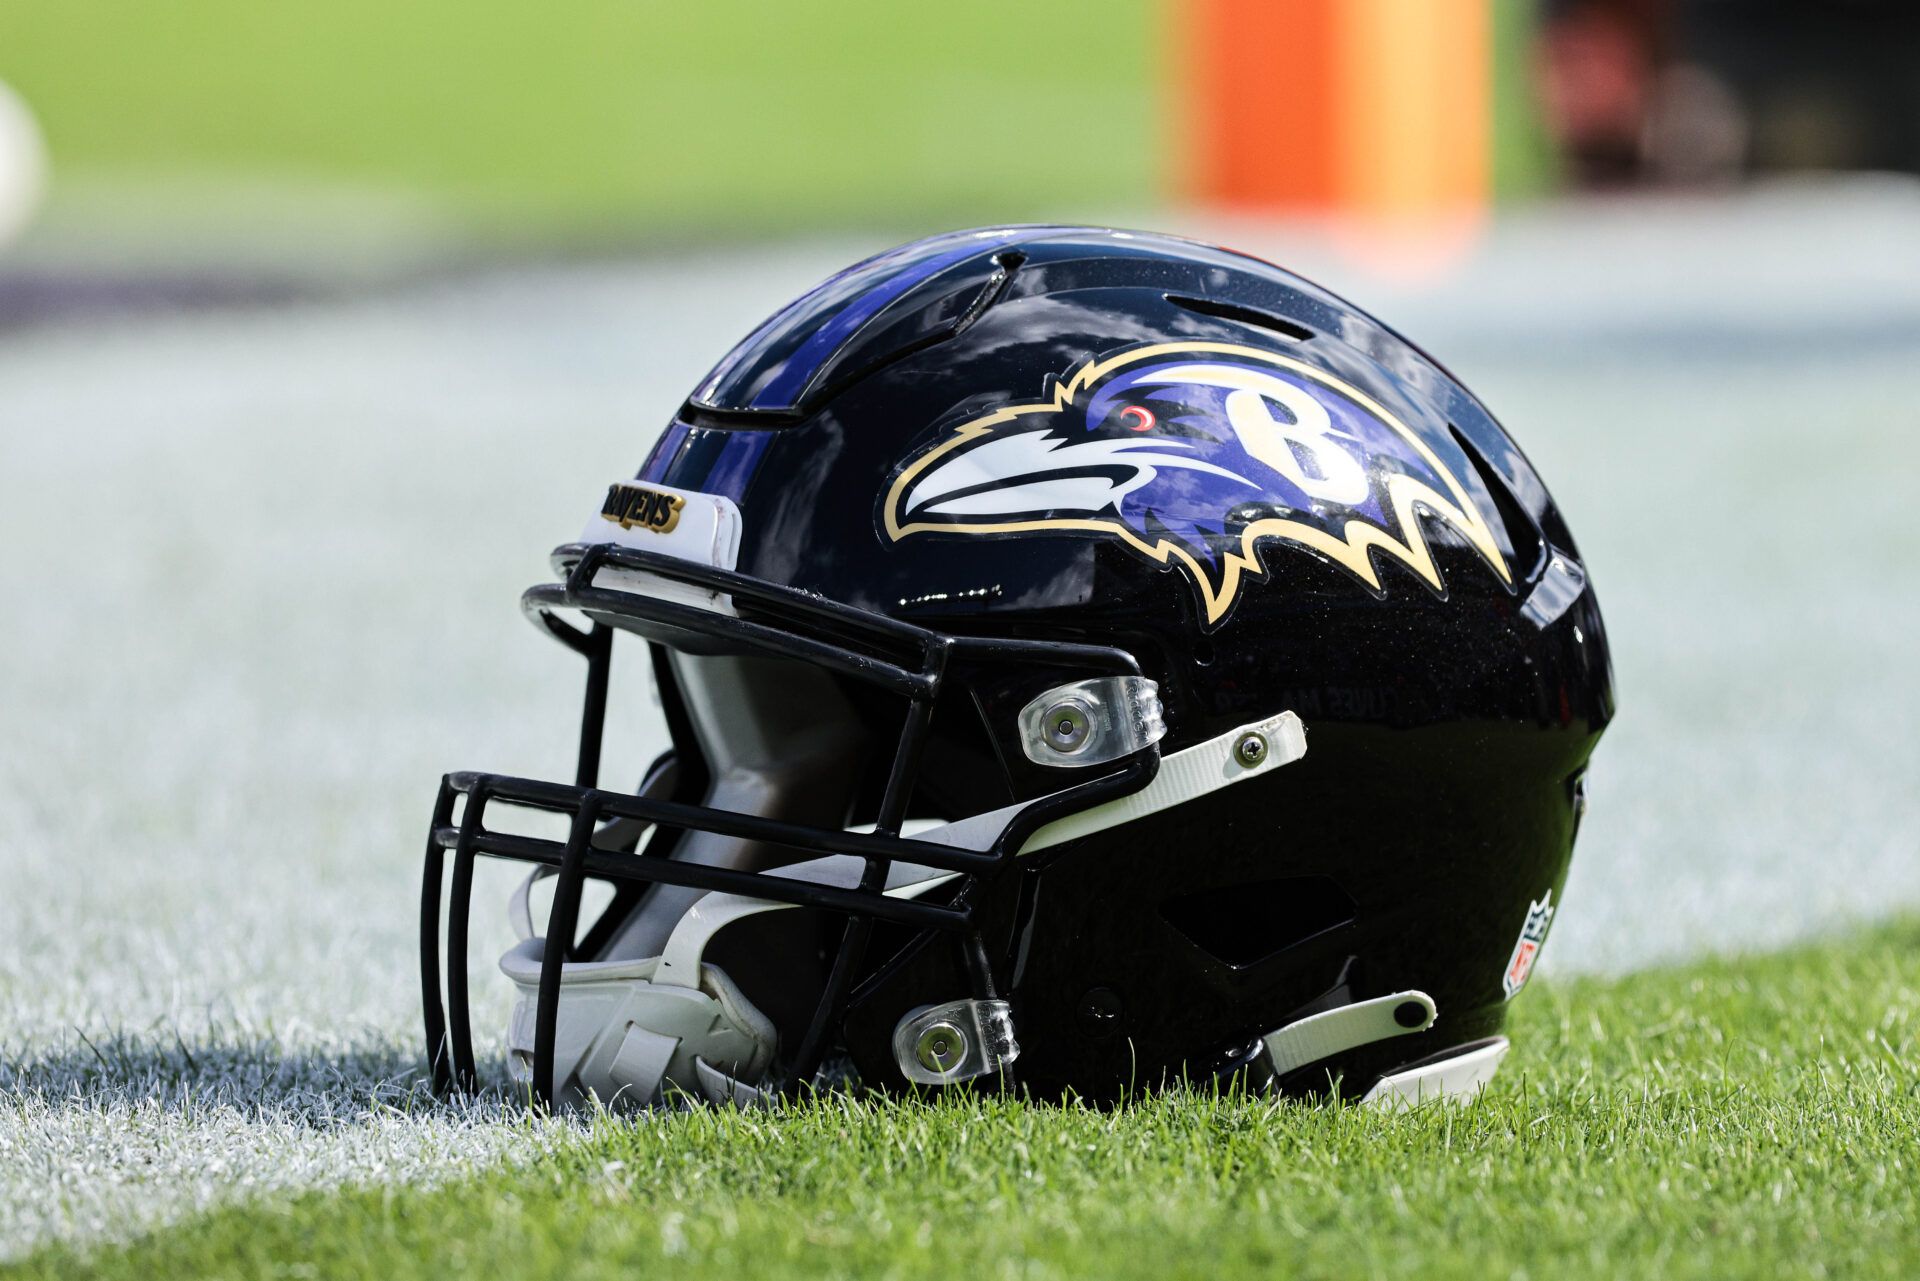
(1377, 108)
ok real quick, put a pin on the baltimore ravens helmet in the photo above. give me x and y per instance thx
(1093, 660)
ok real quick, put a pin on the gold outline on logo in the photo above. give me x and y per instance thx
(625, 498)
(1352, 549)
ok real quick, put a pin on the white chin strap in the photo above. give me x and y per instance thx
(630, 1030)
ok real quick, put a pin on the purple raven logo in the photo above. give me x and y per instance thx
(1194, 454)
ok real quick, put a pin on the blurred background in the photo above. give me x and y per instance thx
(321, 323)
(228, 136)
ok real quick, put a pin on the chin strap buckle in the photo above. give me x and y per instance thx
(1330, 1032)
(955, 1041)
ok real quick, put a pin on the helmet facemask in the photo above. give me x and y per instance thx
(778, 747)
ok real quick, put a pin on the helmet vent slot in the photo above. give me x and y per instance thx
(1244, 315)
(832, 384)
(1250, 922)
(1523, 532)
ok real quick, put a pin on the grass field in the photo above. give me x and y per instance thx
(1745, 1117)
(594, 116)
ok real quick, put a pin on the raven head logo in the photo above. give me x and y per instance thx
(1194, 454)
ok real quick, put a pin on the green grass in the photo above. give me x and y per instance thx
(723, 116)
(1752, 1117)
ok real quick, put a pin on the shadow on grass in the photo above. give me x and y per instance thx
(257, 1077)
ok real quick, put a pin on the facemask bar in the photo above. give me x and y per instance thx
(766, 619)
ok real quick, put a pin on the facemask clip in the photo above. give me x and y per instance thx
(1092, 722)
(955, 1041)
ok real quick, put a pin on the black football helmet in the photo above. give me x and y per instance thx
(1093, 660)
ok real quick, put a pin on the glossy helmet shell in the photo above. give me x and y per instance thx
(1451, 701)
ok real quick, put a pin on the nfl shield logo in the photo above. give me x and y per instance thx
(1533, 936)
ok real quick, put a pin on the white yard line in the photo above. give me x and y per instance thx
(101, 1138)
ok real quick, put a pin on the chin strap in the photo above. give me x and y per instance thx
(1330, 1032)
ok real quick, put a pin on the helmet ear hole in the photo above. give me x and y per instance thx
(779, 960)
(1244, 924)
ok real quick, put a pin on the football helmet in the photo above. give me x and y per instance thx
(1093, 660)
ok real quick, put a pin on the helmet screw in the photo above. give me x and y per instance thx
(1099, 1011)
(1251, 749)
(1067, 727)
(941, 1047)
